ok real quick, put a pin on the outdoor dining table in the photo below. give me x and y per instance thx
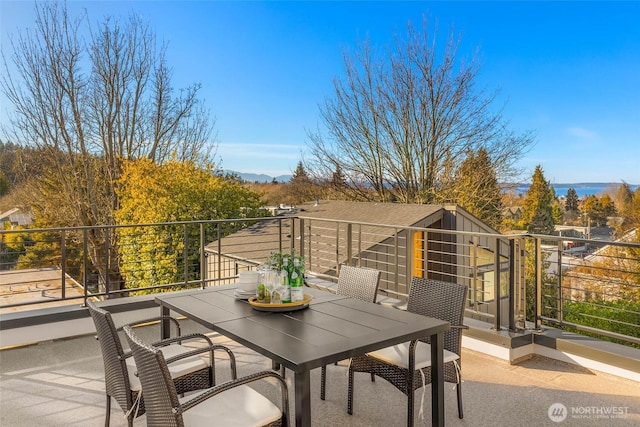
(331, 329)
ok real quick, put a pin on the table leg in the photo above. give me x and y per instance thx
(437, 380)
(302, 391)
(165, 331)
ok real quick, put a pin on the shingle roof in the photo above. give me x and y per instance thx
(370, 212)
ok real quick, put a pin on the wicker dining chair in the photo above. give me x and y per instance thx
(355, 282)
(408, 366)
(232, 403)
(121, 382)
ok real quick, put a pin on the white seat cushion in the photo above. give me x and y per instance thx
(177, 369)
(399, 355)
(239, 406)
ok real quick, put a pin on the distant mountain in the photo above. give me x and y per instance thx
(259, 177)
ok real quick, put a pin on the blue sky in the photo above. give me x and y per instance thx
(569, 71)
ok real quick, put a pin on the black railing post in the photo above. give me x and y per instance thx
(521, 278)
(219, 257)
(280, 235)
(538, 282)
(497, 325)
(560, 313)
(63, 264)
(203, 258)
(512, 284)
(85, 261)
(302, 240)
(350, 245)
(359, 250)
(337, 251)
(477, 294)
(185, 253)
(304, 231)
(107, 250)
(292, 235)
(396, 255)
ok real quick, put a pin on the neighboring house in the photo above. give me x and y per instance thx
(513, 213)
(602, 253)
(570, 246)
(609, 273)
(16, 218)
(330, 238)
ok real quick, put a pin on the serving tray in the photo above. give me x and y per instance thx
(292, 306)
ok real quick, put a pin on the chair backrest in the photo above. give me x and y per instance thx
(358, 282)
(160, 396)
(115, 369)
(441, 300)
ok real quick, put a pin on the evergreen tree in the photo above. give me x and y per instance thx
(537, 215)
(338, 179)
(571, 203)
(475, 188)
(300, 174)
(301, 188)
(597, 209)
(556, 212)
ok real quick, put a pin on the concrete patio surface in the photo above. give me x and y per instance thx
(60, 383)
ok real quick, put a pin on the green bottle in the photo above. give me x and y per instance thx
(297, 281)
(284, 281)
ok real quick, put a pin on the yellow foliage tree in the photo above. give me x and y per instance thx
(166, 196)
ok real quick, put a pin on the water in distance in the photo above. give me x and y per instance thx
(582, 189)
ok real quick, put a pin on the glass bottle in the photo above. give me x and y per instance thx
(285, 290)
(297, 281)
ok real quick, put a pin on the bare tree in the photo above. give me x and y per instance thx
(90, 104)
(397, 122)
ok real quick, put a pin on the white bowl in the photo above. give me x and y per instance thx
(248, 280)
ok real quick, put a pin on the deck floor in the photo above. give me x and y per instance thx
(60, 383)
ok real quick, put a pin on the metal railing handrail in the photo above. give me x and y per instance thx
(493, 265)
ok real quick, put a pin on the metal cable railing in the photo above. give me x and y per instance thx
(515, 281)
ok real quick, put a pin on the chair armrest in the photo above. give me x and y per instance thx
(459, 327)
(181, 338)
(153, 319)
(210, 349)
(238, 382)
